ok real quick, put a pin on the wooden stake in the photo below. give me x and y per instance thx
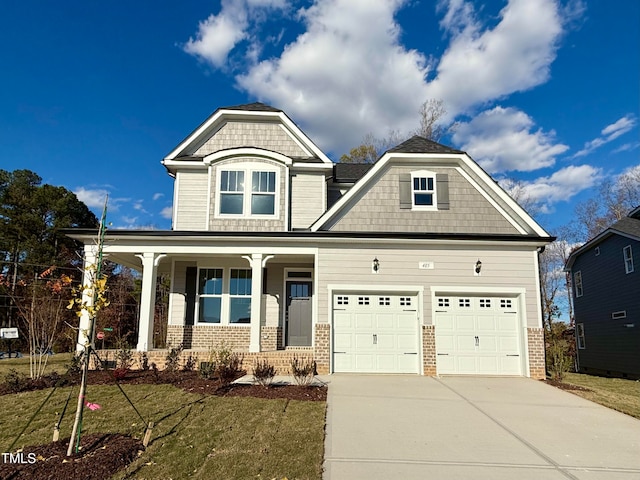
(147, 434)
(56, 433)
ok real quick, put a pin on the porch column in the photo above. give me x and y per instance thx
(256, 300)
(88, 275)
(147, 300)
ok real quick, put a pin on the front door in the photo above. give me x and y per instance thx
(298, 314)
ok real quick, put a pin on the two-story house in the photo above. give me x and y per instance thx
(606, 298)
(419, 263)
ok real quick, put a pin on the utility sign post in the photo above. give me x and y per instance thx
(9, 333)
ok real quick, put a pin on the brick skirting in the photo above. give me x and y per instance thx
(429, 350)
(537, 367)
(322, 347)
(204, 337)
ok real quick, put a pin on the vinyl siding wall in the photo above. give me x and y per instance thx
(308, 201)
(610, 345)
(269, 136)
(191, 200)
(378, 208)
(505, 267)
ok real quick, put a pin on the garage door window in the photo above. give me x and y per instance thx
(405, 301)
(464, 303)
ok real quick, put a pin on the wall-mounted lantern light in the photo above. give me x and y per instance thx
(478, 267)
(375, 266)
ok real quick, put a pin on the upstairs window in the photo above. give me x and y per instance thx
(423, 190)
(257, 196)
(577, 283)
(628, 259)
(232, 192)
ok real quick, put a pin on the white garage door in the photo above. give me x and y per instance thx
(478, 336)
(375, 333)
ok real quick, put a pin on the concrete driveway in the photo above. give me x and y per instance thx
(413, 427)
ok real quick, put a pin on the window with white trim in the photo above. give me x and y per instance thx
(580, 336)
(255, 197)
(210, 295)
(423, 190)
(240, 296)
(628, 259)
(577, 283)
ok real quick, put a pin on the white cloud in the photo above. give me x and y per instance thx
(608, 134)
(348, 73)
(561, 186)
(167, 212)
(92, 198)
(157, 196)
(506, 139)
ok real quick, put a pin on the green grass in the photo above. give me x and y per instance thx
(616, 393)
(55, 363)
(195, 436)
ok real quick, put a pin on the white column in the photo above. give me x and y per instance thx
(147, 301)
(88, 276)
(256, 301)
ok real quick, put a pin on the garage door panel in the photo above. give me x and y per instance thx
(474, 335)
(375, 335)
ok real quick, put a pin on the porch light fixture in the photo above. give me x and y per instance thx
(478, 267)
(376, 265)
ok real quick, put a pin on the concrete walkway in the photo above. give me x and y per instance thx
(413, 427)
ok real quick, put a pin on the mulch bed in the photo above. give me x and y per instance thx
(566, 386)
(100, 456)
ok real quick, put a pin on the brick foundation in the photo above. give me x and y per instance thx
(429, 350)
(204, 337)
(322, 347)
(537, 368)
(270, 339)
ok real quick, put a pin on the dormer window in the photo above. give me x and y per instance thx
(423, 190)
(254, 198)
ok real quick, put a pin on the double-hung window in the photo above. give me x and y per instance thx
(210, 293)
(240, 296)
(577, 283)
(580, 336)
(263, 193)
(232, 192)
(423, 190)
(257, 196)
(628, 259)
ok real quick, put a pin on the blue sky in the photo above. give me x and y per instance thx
(93, 95)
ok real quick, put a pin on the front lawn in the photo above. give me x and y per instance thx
(196, 436)
(616, 393)
(55, 363)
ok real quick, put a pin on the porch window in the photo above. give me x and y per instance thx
(240, 296)
(210, 291)
(232, 192)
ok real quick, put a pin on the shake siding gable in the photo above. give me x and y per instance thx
(191, 198)
(268, 136)
(380, 207)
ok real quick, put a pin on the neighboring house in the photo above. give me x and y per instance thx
(606, 296)
(419, 263)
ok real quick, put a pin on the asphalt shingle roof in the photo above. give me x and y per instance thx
(350, 172)
(628, 225)
(418, 144)
(253, 107)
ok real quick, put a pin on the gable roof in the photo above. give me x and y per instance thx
(413, 152)
(249, 112)
(418, 144)
(628, 226)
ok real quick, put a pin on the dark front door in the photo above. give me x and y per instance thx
(298, 314)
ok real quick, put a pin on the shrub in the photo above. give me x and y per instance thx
(559, 356)
(124, 355)
(190, 364)
(74, 367)
(263, 373)
(207, 369)
(228, 364)
(143, 360)
(173, 358)
(16, 381)
(303, 370)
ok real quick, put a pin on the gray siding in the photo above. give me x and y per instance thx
(610, 345)
(378, 209)
(308, 200)
(248, 224)
(502, 268)
(191, 200)
(269, 136)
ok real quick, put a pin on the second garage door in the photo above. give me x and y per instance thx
(375, 333)
(477, 336)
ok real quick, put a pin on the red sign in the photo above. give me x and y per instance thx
(100, 335)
